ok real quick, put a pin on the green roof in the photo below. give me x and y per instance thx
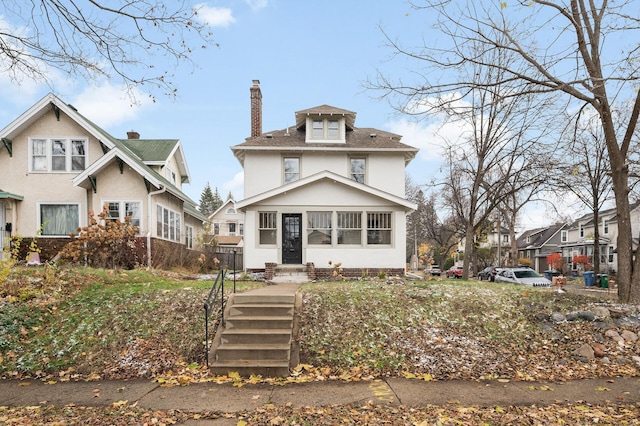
(5, 195)
(151, 149)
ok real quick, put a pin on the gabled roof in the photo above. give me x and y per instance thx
(157, 152)
(223, 207)
(612, 214)
(538, 237)
(326, 175)
(129, 151)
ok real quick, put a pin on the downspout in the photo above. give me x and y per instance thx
(149, 195)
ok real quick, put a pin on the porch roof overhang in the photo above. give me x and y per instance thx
(9, 196)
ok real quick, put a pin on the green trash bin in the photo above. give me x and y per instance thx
(604, 281)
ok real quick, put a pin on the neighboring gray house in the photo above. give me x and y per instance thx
(537, 244)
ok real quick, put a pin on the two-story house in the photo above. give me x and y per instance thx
(537, 244)
(581, 237)
(57, 167)
(324, 192)
(227, 224)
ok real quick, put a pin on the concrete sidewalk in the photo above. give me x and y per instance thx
(226, 398)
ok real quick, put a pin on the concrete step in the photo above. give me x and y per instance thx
(261, 309)
(253, 352)
(253, 322)
(257, 336)
(266, 368)
(263, 298)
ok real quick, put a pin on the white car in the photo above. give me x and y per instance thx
(523, 276)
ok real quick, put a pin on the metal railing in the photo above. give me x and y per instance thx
(217, 293)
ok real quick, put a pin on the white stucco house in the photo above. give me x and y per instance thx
(324, 191)
(57, 166)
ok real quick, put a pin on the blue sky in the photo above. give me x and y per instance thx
(304, 54)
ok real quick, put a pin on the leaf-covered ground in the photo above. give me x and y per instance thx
(91, 324)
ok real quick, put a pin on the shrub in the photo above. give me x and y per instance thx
(104, 244)
(525, 261)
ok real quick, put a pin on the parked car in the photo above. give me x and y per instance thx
(488, 273)
(523, 276)
(454, 272)
(433, 270)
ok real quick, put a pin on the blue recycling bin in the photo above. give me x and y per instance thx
(588, 278)
(547, 274)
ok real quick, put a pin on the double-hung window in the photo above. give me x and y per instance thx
(605, 226)
(564, 236)
(267, 226)
(57, 155)
(379, 228)
(358, 167)
(169, 224)
(120, 210)
(349, 227)
(291, 169)
(232, 228)
(319, 227)
(59, 219)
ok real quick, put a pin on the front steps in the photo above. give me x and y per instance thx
(258, 334)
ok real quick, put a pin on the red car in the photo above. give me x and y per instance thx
(454, 272)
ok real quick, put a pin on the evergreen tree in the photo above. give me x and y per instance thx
(217, 201)
(230, 196)
(207, 201)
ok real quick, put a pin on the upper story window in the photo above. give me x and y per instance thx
(57, 155)
(581, 231)
(505, 238)
(231, 210)
(291, 169)
(325, 129)
(564, 236)
(358, 167)
(232, 228)
(241, 228)
(171, 175)
(605, 226)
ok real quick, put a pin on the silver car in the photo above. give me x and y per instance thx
(523, 276)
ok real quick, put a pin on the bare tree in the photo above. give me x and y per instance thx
(96, 39)
(584, 170)
(572, 47)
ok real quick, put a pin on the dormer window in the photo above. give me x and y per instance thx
(326, 130)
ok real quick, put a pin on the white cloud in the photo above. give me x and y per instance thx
(235, 186)
(215, 16)
(257, 4)
(110, 105)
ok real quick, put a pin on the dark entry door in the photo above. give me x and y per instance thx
(292, 239)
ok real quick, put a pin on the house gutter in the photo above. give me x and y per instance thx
(149, 195)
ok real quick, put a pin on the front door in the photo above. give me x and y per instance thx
(292, 239)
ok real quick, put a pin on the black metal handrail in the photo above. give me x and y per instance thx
(216, 290)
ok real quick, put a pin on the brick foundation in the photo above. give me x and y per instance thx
(269, 270)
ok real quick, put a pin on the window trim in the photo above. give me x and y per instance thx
(388, 229)
(48, 154)
(327, 128)
(364, 172)
(564, 236)
(188, 236)
(605, 226)
(322, 217)
(57, 203)
(272, 219)
(284, 170)
(176, 230)
(355, 213)
(122, 209)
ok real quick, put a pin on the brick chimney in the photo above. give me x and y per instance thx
(256, 109)
(133, 135)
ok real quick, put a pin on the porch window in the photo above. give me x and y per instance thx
(349, 228)
(378, 228)
(59, 219)
(267, 227)
(319, 227)
(291, 169)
